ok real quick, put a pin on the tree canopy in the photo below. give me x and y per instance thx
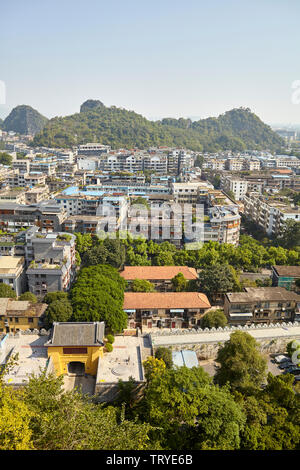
(236, 130)
(98, 295)
(7, 291)
(241, 363)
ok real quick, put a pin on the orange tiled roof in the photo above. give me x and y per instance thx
(157, 272)
(167, 300)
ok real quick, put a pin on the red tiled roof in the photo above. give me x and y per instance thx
(157, 272)
(167, 300)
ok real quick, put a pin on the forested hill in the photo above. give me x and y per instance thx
(238, 129)
(24, 120)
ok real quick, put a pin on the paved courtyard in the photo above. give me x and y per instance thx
(124, 361)
(32, 357)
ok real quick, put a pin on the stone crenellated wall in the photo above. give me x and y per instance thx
(209, 349)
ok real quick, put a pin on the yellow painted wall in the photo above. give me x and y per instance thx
(22, 324)
(61, 360)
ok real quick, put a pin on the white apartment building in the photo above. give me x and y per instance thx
(237, 186)
(269, 214)
(285, 161)
(190, 192)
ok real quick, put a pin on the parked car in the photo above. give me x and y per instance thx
(280, 359)
(286, 364)
(292, 370)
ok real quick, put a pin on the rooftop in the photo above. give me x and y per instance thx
(157, 272)
(165, 300)
(77, 334)
(260, 294)
(18, 308)
(292, 271)
(9, 264)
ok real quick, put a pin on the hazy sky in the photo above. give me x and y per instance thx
(158, 58)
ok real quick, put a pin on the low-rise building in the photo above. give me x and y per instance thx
(12, 273)
(47, 215)
(262, 305)
(16, 315)
(270, 214)
(75, 348)
(285, 276)
(52, 262)
(167, 309)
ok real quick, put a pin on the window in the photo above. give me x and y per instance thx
(30, 320)
(16, 320)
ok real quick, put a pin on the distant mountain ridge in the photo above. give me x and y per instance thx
(24, 120)
(238, 129)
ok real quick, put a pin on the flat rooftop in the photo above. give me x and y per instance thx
(115, 365)
(9, 264)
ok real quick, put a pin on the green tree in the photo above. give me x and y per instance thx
(164, 258)
(142, 285)
(215, 318)
(240, 363)
(7, 291)
(15, 432)
(290, 235)
(216, 280)
(53, 296)
(179, 283)
(98, 295)
(191, 412)
(166, 355)
(5, 158)
(89, 426)
(83, 242)
(59, 311)
(28, 296)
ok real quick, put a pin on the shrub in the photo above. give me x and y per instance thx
(110, 339)
(166, 355)
(28, 296)
(109, 347)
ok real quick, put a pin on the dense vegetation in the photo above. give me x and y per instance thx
(5, 158)
(24, 120)
(98, 295)
(250, 255)
(236, 130)
(179, 409)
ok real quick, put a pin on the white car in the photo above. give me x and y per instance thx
(281, 358)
